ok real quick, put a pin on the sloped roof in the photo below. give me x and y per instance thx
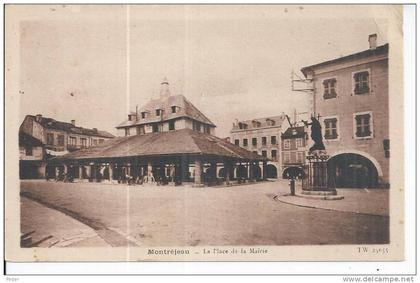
(26, 139)
(185, 141)
(294, 132)
(184, 109)
(383, 49)
(69, 127)
(260, 123)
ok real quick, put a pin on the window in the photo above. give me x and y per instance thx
(143, 115)
(237, 142)
(386, 148)
(72, 141)
(83, 142)
(256, 124)
(254, 141)
(173, 109)
(286, 157)
(329, 88)
(273, 140)
(60, 140)
(286, 144)
(264, 153)
(270, 122)
(196, 126)
(28, 150)
(127, 132)
(264, 140)
(101, 141)
(140, 130)
(274, 154)
(207, 129)
(331, 132)
(158, 112)
(243, 126)
(171, 125)
(95, 142)
(299, 142)
(255, 152)
(245, 142)
(50, 139)
(361, 82)
(300, 157)
(155, 128)
(363, 125)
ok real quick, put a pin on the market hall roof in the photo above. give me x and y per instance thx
(184, 141)
(183, 107)
(51, 123)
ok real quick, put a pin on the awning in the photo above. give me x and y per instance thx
(56, 153)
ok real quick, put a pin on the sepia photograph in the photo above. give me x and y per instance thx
(204, 132)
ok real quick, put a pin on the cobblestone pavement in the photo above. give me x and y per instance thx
(186, 216)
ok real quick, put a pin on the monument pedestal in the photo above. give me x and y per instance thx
(316, 179)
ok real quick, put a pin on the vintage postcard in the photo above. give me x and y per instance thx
(204, 133)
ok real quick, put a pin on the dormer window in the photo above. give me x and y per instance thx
(173, 109)
(243, 126)
(143, 114)
(270, 122)
(158, 112)
(256, 124)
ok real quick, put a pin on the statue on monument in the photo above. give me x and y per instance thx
(316, 135)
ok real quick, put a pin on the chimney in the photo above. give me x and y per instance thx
(164, 88)
(38, 117)
(372, 41)
(73, 122)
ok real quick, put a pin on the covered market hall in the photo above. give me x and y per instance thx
(174, 157)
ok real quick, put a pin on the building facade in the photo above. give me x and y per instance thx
(351, 102)
(166, 113)
(56, 138)
(261, 136)
(294, 145)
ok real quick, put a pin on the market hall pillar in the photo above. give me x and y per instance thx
(111, 171)
(80, 172)
(198, 182)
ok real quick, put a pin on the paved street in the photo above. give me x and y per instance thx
(163, 216)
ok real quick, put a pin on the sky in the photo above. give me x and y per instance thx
(96, 63)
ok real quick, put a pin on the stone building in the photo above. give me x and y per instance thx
(167, 141)
(351, 102)
(294, 145)
(166, 113)
(261, 136)
(57, 138)
(31, 157)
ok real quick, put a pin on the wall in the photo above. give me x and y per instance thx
(347, 103)
(37, 153)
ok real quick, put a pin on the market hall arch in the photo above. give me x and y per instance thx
(353, 170)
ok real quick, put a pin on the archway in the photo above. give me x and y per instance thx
(350, 170)
(293, 172)
(271, 171)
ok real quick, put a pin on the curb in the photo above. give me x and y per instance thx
(276, 198)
